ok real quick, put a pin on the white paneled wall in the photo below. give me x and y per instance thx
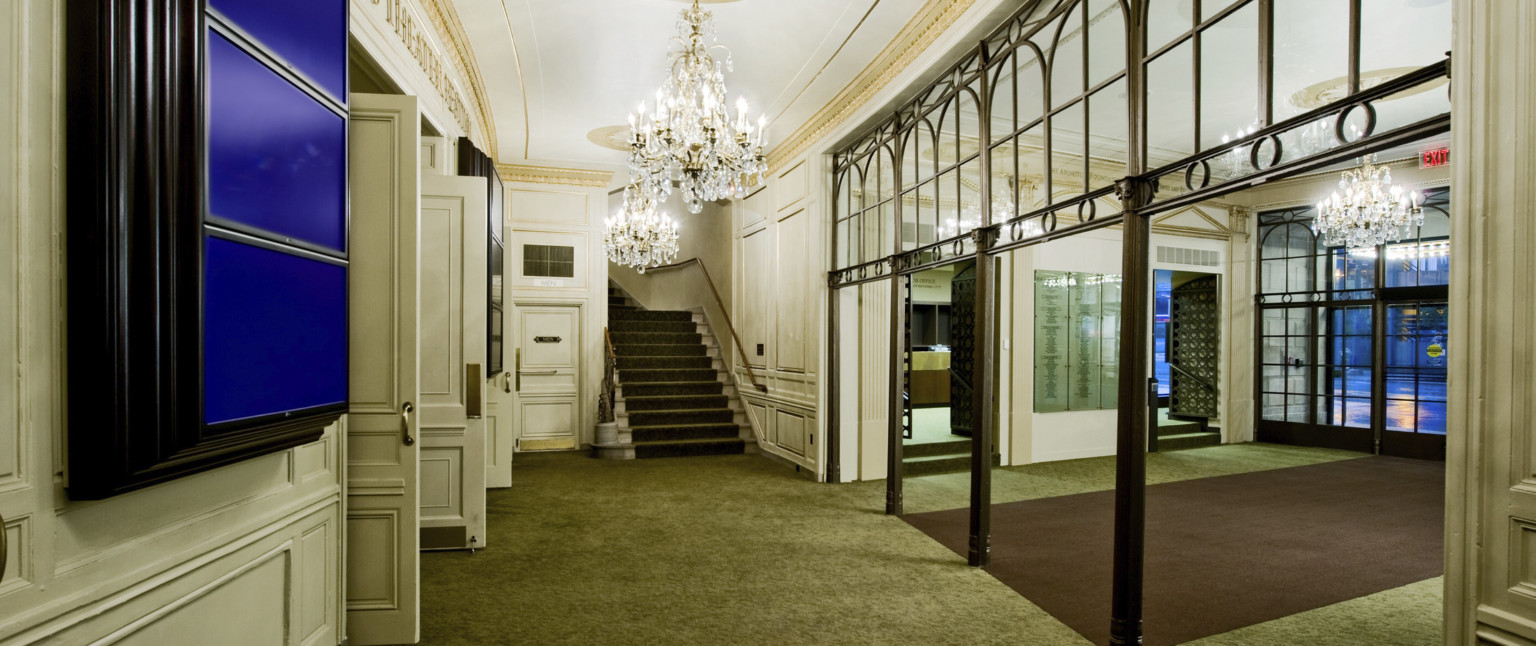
(779, 306)
(245, 554)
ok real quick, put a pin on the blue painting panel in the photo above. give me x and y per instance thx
(311, 35)
(276, 157)
(274, 331)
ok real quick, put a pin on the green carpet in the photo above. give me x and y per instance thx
(740, 550)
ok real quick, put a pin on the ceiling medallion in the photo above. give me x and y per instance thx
(688, 136)
(1372, 211)
(637, 236)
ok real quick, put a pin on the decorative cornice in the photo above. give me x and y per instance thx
(933, 19)
(451, 32)
(552, 175)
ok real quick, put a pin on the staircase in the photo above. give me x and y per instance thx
(1177, 434)
(674, 397)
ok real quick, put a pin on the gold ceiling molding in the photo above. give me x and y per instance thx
(933, 19)
(552, 175)
(451, 32)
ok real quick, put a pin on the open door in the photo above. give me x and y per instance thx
(383, 553)
(453, 351)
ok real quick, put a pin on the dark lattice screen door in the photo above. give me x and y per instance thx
(1194, 341)
(962, 351)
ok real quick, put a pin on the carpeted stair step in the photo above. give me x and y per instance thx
(676, 417)
(660, 350)
(664, 363)
(649, 315)
(653, 376)
(932, 464)
(667, 327)
(675, 402)
(927, 449)
(636, 388)
(1181, 441)
(689, 447)
(682, 432)
(617, 300)
(654, 338)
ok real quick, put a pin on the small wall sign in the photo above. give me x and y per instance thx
(546, 339)
(1434, 158)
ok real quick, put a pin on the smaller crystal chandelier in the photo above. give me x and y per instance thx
(688, 136)
(637, 236)
(1372, 210)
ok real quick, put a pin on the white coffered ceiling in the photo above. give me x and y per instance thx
(556, 70)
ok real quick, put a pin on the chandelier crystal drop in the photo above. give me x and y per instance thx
(637, 236)
(1367, 210)
(688, 135)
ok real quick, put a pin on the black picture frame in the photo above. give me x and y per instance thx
(136, 146)
(473, 162)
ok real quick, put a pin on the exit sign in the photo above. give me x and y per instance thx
(1436, 157)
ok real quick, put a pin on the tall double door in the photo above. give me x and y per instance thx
(1365, 377)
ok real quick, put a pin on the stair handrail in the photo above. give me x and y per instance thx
(1193, 377)
(605, 400)
(751, 376)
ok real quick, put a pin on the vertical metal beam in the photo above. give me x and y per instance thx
(1131, 440)
(982, 379)
(1266, 62)
(1354, 46)
(1378, 350)
(980, 546)
(1135, 327)
(832, 438)
(893, 504)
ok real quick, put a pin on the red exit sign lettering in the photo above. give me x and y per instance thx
(1433, 158)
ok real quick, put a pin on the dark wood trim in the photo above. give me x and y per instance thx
(1346, 438)
(474, 163)
(1420, 446)
(136, 147)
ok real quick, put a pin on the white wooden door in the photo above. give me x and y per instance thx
(498, 397)
(453, 346)
(547, 379)
(383, 556)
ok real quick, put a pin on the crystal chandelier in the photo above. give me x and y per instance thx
(1372, 211)
(637, 236)
(688, 136)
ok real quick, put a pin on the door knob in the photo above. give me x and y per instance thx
(405, 424)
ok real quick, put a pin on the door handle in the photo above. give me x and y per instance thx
(474, 400)
(405, 424)
(506, 382)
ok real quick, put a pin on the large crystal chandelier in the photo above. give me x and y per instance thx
(688, 136)
(637, 236)
(1372, 210)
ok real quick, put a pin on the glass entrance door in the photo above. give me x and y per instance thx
(1352, 342)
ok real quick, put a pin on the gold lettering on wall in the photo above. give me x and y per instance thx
(408, 28)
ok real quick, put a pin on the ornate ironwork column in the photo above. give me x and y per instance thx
(1131, 442)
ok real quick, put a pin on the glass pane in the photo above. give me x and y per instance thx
(1108, 143)
(970, 195)
(1273, 407)
(1067, 161)
(948, 204)
(1432, 417)
(1397, 37)
(1170, 106)
(276, 157)
(1067, 61)
(927, 148)
(1106, 40)
(1031, 146)
(1004, 185)
(1167, 19)
(1400, 415)
(970, 123)
(312, 36)
(1229, 77)
(1001, 112)
(1273, 321)
(1209, 8)
(1311, 55)
(1030, 86)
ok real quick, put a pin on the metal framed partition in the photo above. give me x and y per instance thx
(1104, 101)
